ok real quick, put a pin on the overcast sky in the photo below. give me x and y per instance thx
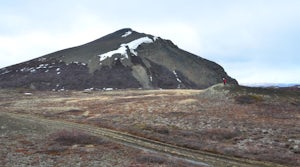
(256, 41)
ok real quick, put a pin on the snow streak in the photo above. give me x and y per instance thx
(132, 46)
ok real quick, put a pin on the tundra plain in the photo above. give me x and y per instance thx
(261, 124)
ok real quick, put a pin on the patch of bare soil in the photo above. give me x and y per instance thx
(244, 122)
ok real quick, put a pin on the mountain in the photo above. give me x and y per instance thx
(123, 59)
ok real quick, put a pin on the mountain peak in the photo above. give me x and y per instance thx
(123, 30)
(122, 33)
(122, 59)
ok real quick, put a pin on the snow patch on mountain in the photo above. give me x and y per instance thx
(127, 34)
(178, 80)
(42, 66)
(5, 72)
(155, 38)
(42, 59)
(132, 46)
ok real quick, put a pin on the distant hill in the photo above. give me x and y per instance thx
(120, 60)
(279, 85)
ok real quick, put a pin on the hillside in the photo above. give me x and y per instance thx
(122, 59)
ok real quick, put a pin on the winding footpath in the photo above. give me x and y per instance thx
(200, 157)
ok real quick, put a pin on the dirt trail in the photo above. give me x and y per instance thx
(200, 157)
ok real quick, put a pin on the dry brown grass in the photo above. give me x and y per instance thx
(248, 99)
(246, 123)
(188, 101)
(71, 137)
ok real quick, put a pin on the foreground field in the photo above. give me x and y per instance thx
(252, 123)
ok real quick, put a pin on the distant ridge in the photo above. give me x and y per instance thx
(120, 60)
(271, 84)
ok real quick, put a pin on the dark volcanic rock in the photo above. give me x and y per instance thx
(123, 59)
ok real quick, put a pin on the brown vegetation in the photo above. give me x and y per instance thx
(251, 123)
(71, 137)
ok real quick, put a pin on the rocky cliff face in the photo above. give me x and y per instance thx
(123, 59)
